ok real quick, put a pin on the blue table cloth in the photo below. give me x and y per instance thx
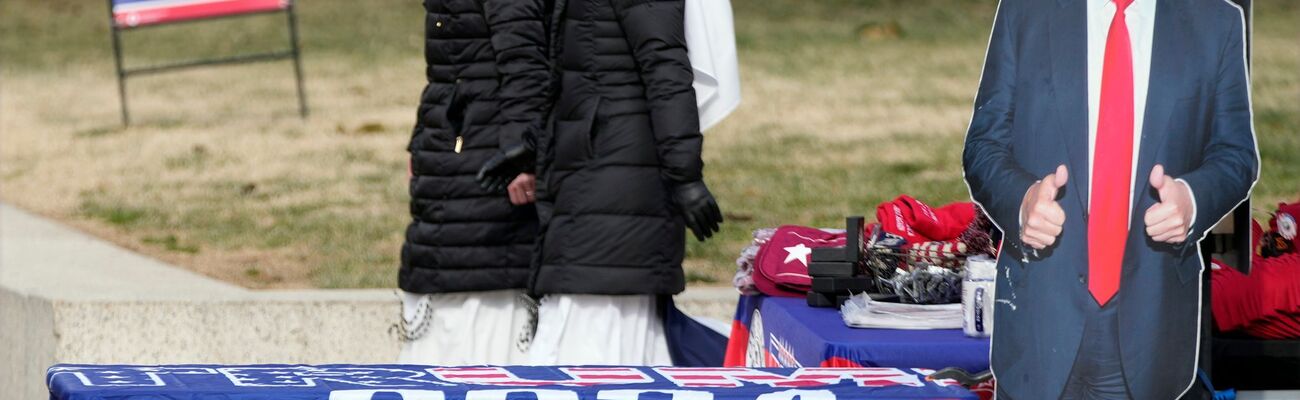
(416, 382)
(785, 332)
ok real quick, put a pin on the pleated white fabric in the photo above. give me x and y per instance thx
(578, 329)
(470, 328)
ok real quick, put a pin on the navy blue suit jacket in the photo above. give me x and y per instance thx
(1031, 115)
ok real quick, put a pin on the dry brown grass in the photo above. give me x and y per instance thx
(201, 150)
(220, 176)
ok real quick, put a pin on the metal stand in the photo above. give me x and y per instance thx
(117, 57)
(297, 59)
(294, 53)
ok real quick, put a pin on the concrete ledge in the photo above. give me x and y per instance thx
(26, 332)
(67, 297)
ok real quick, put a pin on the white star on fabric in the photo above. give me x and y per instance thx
(797, 252)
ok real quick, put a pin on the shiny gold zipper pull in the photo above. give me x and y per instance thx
(460, 141)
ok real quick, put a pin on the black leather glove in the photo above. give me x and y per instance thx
(699, 208)
(504, 166)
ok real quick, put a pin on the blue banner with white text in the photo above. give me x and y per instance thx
(412, 382)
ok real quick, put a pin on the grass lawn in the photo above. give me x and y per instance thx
(847, 104)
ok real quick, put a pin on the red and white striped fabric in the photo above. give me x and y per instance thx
(735, 377)
(577, 376)
(135, 13)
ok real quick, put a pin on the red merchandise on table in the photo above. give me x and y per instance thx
(917, 222)
(782, 262)
(1265, 303)
(941, 236)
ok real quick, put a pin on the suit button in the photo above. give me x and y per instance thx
(458, 80)
(437, 24)
(1083, 279)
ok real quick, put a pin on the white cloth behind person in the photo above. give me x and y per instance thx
(470, 328)
(579, 329)
(711, 45)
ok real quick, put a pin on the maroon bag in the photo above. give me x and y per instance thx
(781, 267)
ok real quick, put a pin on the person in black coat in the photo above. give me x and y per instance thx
(622, 179)
(468, 249)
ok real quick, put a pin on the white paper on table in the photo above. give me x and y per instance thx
(862, 312)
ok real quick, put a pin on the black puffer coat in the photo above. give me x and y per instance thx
(488, 86)
(626, 130)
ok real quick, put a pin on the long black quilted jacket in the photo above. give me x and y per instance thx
(488, 84)
(626, 131)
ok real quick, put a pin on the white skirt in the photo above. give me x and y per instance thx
(469, 328)
(579, 329)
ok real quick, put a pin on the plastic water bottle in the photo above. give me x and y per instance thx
(977, 296)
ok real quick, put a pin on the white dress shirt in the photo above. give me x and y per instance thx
(1140, 17)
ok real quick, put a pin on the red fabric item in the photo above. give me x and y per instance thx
(735, 355)
(896, 217)
(985, 390)
(1276, 290)
(917, 222)
(839, 362)
(945, 223)
(1264, 304)
(1235, 303)
(781, 267)
(1112, 164)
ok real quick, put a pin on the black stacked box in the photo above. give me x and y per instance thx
(832, 269)
(835, 271)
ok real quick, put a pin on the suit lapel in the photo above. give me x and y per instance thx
(1168, 69)
(1068, 38)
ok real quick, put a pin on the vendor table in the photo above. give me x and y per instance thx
(786, 332)
(413, 382)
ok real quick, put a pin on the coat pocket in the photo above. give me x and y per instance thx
(573, 138)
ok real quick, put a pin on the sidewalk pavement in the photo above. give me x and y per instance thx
(38, 256)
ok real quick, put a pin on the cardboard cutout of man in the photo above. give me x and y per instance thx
(1108, 137)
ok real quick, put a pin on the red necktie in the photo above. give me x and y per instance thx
(1112, 165)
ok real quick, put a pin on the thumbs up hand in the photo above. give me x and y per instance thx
(1041, 216)
(1169, 221)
